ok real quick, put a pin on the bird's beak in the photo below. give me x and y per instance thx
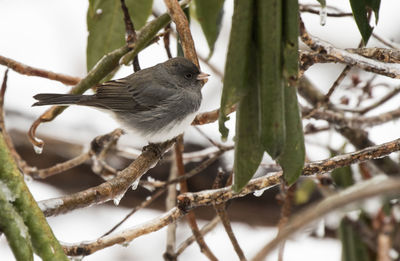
(202, 76)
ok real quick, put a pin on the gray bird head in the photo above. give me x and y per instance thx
(185, 73)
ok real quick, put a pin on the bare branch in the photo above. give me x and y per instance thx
(379, 185)
(31, 71)
(182, 26)
(112, 189)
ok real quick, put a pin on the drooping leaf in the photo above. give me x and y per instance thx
(209, 14)
(290, 40)
(235, 85)
(105, 22)
(269, 42)
(248, 150)
(353, 247)
(360, 13)
(322, 3)
(293, 154)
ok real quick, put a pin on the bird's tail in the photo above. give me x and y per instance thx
(59, 99)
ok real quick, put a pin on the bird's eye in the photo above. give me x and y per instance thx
(188, 76)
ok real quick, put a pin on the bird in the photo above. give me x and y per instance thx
(157, 103)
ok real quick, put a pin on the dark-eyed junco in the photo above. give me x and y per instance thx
(157, 103)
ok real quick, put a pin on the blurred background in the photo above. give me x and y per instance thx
(52, 35)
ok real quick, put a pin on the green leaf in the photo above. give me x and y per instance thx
(374, 5)
(105, 22)
(209, 14)
(353, 248)
(290, 41)
(235, 85)
(360, 12)
(248, 150)
(293, 155)
(322, 3)
(343, 177)
(269, 43)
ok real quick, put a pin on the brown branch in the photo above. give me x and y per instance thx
(87, 248)
(142, 205)
(182, 26)
(60, 167)
(112, 189)
(31, 71)
(131, 33)
(217, 196)
(286, 210)
(308, 9)
(223, 215)
(204, 230)
(357, 136)
(209, 117)
(167, 32)
(170, 202)
(379, 54)
(206, 198)
(191, 218)
(376, 186)
(327, 53)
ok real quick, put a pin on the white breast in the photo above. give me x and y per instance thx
(170, 131)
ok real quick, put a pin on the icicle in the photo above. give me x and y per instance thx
(135, 184)
(323, 13)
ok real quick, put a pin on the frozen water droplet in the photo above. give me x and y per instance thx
(135, 184)
(323, 13)
(118, 198)
(258, 193)
(99, 11)
(38, 149)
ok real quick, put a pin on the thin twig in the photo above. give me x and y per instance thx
(18, 159)
(142, 205)
(209, 117)
(223, 215)
(204, 230)
(170, 202)
(286, 211)
(32, 71)
(131, 37)
(60, 167)
(380, 185)
(167, 33)
(191, 218)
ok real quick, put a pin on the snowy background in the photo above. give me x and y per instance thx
(52, 35)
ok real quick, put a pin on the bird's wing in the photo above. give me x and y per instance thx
(131, 94)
